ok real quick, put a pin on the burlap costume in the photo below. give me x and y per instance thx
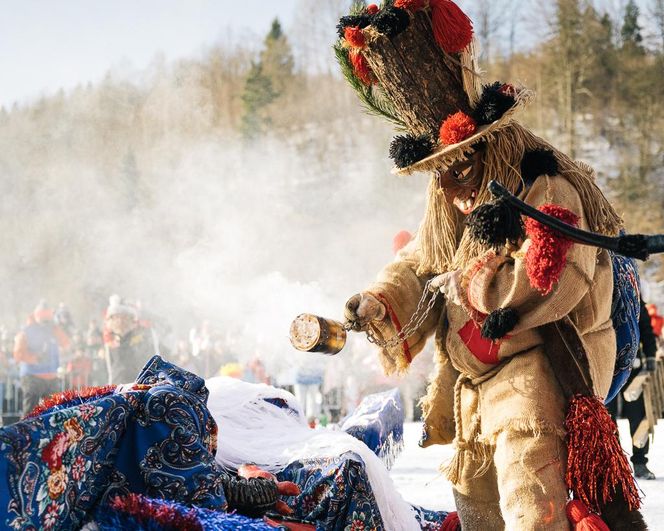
(498, 399)
(509, 415)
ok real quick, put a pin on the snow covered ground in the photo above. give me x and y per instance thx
(415, 474)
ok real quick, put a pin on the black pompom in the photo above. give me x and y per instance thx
(352, 21)
(250, 497)
(493, 104)
(495, 223)
(538, 162)
(408, 149)
(391, 21)
(499, 323)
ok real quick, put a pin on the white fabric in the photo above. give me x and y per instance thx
(254, 431)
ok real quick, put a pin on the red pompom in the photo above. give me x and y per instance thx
(452, 28)
(411, 5)
(372, 9)
(581, 519)
(355, 37)
(451, 522)
(361, 68)
(547, 255)
(596, 463)
(457, 128)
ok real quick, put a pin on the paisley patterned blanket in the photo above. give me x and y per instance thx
(68, 465)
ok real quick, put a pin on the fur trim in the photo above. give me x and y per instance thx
(499, 323)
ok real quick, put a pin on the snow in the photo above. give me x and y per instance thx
(416, 475)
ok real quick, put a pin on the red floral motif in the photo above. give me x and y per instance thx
(457, 128)
(54, 450)
(372, 9)
(51, 516)
(87, 411)
(78, 468)
(357, 525)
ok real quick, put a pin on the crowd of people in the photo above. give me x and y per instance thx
(51, 353)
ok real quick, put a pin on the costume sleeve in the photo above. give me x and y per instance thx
(400, 289)
(502, 281)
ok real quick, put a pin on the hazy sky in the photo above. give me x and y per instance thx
(47, 44)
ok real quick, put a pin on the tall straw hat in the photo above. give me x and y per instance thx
(414, 63)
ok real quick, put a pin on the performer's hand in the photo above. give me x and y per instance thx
(363, 308)
(449, 284)
(651, 364)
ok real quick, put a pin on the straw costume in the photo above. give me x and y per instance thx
(516, 295)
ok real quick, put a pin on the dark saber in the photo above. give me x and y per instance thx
(639, 246)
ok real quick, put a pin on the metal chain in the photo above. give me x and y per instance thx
(422, 311)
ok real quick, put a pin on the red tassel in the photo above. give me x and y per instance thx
(596, 463)
(451, 522)
(582, 520)
(452, 28)
(361, 68)
(547, 255)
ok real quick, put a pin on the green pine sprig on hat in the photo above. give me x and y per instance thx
(370, 96)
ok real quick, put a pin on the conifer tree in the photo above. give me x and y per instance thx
(257, 96)
(631, 31)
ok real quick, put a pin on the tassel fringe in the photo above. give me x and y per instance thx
(597, 467)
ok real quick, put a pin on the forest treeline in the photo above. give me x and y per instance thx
(598, 75)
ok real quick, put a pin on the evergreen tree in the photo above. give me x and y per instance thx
(258, 95)
(268, 79)
(277, 58)
(631, 31)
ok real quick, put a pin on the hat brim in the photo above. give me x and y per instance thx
(448, 155)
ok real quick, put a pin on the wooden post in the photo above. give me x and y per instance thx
(422, 81)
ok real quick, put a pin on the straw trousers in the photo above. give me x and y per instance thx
(511, 474)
